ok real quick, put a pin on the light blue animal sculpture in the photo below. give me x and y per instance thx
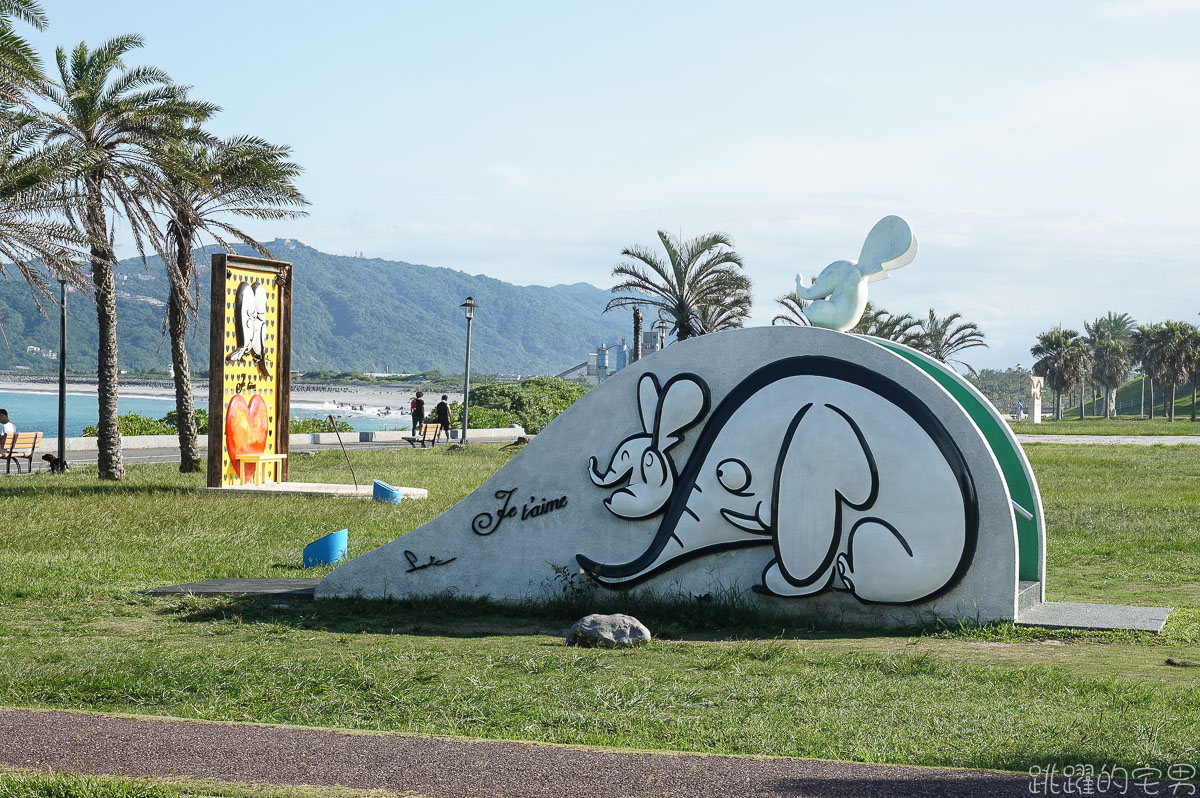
(840, 290)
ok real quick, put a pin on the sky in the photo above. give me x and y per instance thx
(1046, 155)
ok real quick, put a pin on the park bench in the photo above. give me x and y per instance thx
(18, 446)
(427, 434)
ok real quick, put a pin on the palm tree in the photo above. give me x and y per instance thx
(942, 338)
(1145, 350)
(1194, 346)
(1062, 358)
(704, 271)
(200, 184)
(32, 237)
(1111, 362)
(1110, 338)
(729, 316)
(111, 118)
(1177, 353)
(793, 310)
(899, 327)
(20, 67)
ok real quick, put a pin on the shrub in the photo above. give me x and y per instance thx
(481, 417)
(171, 419)
(533, 403)
(134, 424)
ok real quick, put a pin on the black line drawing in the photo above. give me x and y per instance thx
(851, 479)
(641, 464)
(414, 563)
(251, 312)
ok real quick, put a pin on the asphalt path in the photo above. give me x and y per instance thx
(1114, 440)
(436, 767)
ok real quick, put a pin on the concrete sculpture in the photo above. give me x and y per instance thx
(1035, 394)
(842, 479)
(840, 290)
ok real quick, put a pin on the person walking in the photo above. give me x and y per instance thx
(417, 408)
(441, 414)
(6, 425)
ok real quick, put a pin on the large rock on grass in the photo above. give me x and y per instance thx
(614, 631)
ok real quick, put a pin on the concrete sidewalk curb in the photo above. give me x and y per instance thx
(135, 442)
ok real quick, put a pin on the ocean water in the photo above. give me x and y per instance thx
(37, 410)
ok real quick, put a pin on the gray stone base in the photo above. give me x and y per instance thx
(319, 489)
(278, 588)
(1098, 617)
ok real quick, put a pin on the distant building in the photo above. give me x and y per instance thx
(606, 361)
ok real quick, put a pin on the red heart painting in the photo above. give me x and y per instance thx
(245, 429)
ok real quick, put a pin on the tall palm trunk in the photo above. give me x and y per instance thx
(108, 440)
(177, 324)
(1193, 396)
(1057, 406)
(1170, 407)
(1081, 404)
(1151, 398)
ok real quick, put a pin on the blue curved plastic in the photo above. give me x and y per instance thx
(384, 492)
(329, 550)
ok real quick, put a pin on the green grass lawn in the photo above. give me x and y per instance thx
(1112, 426)
(74, 633)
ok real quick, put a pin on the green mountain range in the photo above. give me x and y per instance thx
(348, 313)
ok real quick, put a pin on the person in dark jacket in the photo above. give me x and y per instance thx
(417, 408)
(441, 414)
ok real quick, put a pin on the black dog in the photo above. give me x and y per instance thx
(56, 465)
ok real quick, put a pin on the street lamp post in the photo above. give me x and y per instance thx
(661, 326)
(469, 311)
(62, 373)
(1018, 419)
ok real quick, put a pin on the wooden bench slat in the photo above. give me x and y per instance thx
(19, 446)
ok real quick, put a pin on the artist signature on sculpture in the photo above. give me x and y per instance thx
(415, 564)
(488, 523)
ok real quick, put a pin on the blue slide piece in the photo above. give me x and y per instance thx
(329, 550)
(386, 493)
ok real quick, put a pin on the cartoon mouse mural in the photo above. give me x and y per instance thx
(855, 484)
(641, 461)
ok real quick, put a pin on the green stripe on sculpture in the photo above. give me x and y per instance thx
(1008, 452)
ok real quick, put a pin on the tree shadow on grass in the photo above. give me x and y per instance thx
(46, 491)
(452, 616)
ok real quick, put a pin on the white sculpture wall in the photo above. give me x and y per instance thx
(813, 472)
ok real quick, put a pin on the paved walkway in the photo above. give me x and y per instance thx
(437, 767)
(1114, 440)
(171, 454)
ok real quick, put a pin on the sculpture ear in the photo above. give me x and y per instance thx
(890, 245)
(647, 393)
(684, 400)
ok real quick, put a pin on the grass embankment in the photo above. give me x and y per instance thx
(74, 635)
(1112, 426)
(1133, 399)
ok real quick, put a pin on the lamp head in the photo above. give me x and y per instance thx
(469, 307)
